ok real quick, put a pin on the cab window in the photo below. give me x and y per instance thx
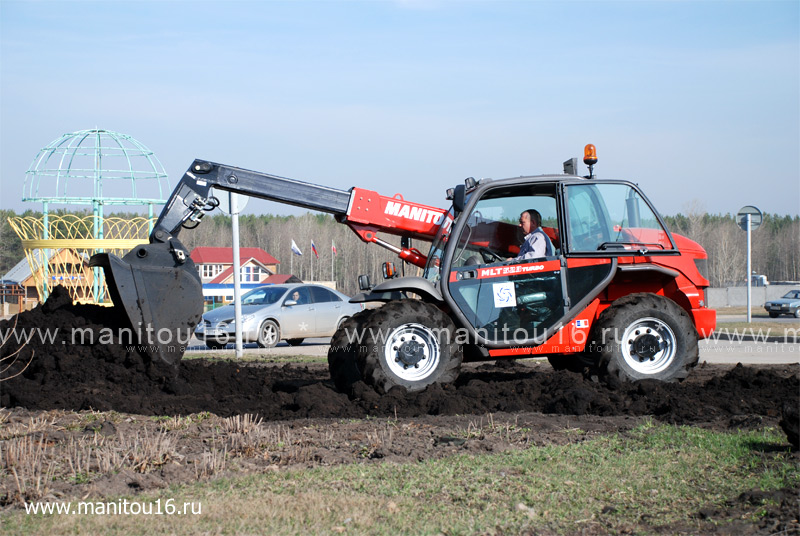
(492, 232)
(612, 218)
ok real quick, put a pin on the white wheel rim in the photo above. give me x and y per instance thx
(412, 352)
(269, 333)
(648, 345)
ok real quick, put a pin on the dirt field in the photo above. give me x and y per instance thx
(76, 401)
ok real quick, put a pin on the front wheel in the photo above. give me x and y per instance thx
(343, 351)
(269, 334)
(645, 336)
(409, 343)
(776, 315)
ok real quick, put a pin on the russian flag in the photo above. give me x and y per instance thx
(314, 249)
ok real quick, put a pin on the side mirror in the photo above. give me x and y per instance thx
(389, 271)
(459, 198)
(289, 303)
(364, 283)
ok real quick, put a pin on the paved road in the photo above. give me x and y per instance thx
(783, 319)
(715, 352)
(749, 353)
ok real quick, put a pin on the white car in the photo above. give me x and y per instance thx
(291, 312)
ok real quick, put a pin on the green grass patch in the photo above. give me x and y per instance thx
(645, 480)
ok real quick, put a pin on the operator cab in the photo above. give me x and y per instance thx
(505, 301)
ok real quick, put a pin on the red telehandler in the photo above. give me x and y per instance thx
(619, 294)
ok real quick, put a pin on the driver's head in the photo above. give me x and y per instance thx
(295, 295)
(530, 220)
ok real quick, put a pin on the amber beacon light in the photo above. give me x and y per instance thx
(590, 157)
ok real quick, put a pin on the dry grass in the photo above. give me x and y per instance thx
(605, 485)
(36, 424)
(241, 424)
(28, 460)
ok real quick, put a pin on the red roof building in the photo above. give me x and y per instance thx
(215, 265)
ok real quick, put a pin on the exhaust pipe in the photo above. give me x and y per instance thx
(160, 290)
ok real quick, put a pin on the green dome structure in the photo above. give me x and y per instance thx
(89, 167)
(92, 167)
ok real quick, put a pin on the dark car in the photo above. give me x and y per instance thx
(788, 305)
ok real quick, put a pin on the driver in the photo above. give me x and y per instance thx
(537, 243)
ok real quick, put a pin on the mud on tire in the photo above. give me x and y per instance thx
(343, 354)
(645, 336)
(407, 343)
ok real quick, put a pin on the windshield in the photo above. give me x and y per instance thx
(612, 217)
(263, 296)
(432, 271)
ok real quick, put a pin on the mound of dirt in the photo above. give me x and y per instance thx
(69, 373)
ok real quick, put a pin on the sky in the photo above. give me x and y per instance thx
(697, 102)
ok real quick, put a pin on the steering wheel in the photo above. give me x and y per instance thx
(489, 255)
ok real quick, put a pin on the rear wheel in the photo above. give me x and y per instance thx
(645, 336)
(343, 352)
(797, 313)
(268, 334)
(408, 343)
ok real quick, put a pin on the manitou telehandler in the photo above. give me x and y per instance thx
(619, 294)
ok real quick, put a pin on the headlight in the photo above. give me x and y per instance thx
(245, 318)
(702, 267)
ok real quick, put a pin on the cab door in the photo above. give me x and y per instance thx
(513, 302)
(506, 301)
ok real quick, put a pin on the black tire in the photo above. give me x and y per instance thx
(269, 334)
(776, 315)
(645, 336)
(214, 344)
(797, 313)
(408, 343)
(343, 354)
(294, 342)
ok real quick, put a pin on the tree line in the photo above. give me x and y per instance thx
(775, 245)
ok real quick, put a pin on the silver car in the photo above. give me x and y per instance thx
(788, 305)
(291, 312)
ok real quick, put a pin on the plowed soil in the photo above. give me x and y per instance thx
(67, 374)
